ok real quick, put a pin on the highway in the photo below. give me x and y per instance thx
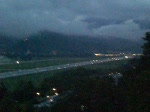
(57, 67)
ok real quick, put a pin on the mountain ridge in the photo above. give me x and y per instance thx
(47, 44)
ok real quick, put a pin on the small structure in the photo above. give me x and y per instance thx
(48, 102)
(116, 77)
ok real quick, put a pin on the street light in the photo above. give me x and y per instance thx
(54, 89)
(56, 94)
(48, 96)
(38, 93)
(51, 100)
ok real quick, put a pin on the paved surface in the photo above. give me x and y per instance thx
(57, 67)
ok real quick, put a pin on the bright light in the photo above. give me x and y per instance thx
(56, 94)
(17, 62)
(38, 93)
(48, 96)
(97, 54)
(54, 89)
(51, 100)
(126, 57)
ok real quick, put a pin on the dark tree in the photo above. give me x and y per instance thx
(24, 92)
(145, 59)
(3, 91)
(146, 46)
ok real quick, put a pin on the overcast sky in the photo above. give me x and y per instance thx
(119, 18)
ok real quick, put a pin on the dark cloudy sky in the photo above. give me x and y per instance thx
(120, 18)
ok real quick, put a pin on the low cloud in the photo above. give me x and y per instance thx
(126, 19)
(127, 29)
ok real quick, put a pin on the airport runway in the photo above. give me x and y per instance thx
(57, 67)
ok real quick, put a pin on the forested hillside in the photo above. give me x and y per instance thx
(48, 44)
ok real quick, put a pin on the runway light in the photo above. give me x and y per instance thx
(17, 62)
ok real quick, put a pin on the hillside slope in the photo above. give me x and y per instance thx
(46, 43)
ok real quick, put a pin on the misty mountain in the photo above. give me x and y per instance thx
(46, 43)
(7, 43)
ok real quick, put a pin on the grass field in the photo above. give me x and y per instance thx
(41, 63)
(4, 59)
(37, 78)
(108, 65)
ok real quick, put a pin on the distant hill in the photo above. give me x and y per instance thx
(7, 43)
(47, 44)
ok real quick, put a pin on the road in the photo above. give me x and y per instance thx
(57, 67)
